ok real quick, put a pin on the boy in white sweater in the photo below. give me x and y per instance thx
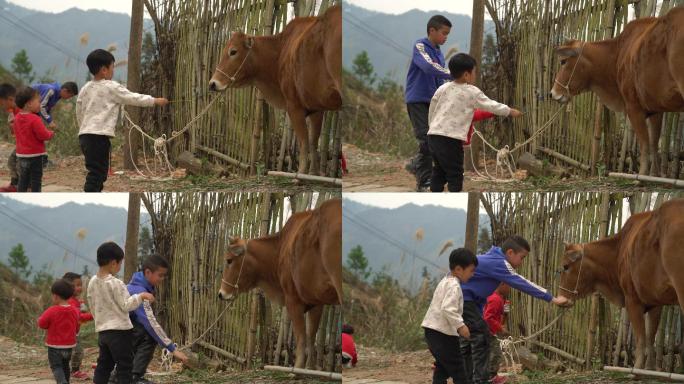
(451, 114)
(443, 321)
(97, 112)
(110, 303)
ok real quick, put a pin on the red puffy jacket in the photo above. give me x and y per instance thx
(478, 116)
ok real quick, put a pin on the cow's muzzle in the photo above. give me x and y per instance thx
(224, 296)
(559, 97)
(216, 86)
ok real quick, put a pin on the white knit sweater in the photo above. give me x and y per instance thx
(110, 303)
(98, 105)
(445, 313)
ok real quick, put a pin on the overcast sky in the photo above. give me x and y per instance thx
(57, 6)
(119, 200)
(396, 7)
(394, 200)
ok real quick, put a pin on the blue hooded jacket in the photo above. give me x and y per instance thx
(49, 96)
(144, 316)
(492, 270)
(426, 72)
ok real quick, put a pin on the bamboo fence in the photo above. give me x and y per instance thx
(598, 140)
(241, 131)
(191, 231)
(593, 332)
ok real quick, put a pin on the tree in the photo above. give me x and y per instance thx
(149, 51)
(145, 245)
(22, 67)
(358, 263)
(43, 278)
(484, 241)
(19, 262)
(363, 69)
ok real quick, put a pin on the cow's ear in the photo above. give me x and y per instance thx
(249, 43)
(567, 51)
(575, 256)
(238, 250)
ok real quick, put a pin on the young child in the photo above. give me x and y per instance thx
(147, 332)
(97, 112)
(494, 316)
(7, 102)
(443, 321)
(450, 117)
(426, 73)
(110, 303)
(83, 317)
(50, 95)
(31, 135)
(61, 321)
(349, 356)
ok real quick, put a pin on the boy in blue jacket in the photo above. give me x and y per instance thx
(147, 332)
(494, 267)
(52, 93)
(426, 74)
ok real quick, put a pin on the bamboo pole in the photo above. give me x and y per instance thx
(222, 352)
(305, 372)
(302, 176)
(644, 372)
(650, 179)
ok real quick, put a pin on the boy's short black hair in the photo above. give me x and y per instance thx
(7, 90)
(348, 329)
(154, 262)
(99, 58)
(24, 96)
(71, 87)
(462, 257)
(107, 252)
(437, 22)
(71, 277)
(461, 63)
(63, 289)
(517, 243)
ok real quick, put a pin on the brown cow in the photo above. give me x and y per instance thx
(641, 268)
(639, 73)
(299, 267)
(298, 70)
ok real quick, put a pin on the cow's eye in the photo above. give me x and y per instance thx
(565, 267)
(229, 261)
(564, 61)
(233, 52)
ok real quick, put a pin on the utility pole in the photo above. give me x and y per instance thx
(132, 232)
(476, 37)
(472, 221)
(133, 81)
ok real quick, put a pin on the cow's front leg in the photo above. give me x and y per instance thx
(637, 120)
(651, 330)
(313, 319)
(316, 123)
(635, 311)
(295, 310)
(298, 120)
(655, 123)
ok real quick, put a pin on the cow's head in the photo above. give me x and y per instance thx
(575, 273)
(572, 79)
(234, 69)
(239, 271)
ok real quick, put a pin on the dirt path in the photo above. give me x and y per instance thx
(379, 172)
(67, 174)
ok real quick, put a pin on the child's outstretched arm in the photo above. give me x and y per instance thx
(126, 97)
(427, 65)
(145, 316)
(45, 99)
(489, 105)
(124, 300)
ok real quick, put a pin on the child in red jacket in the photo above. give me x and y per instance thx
(61, 322)
(494, 314)
(349, 356)
(83, 317)
(31, 134)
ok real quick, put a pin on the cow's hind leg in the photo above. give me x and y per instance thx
(655, 123)
(651, 329)
(635, 311)
(295, 310)
(313, 319)
(637, 119)
(298, 120)
(316, 122)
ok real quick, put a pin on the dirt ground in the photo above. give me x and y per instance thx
(27, 361)
(67, 174)
(416, 367)
(379, 172)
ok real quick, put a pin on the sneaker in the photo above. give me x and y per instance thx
(498, 380)
(80, 375)
(410, 167)
(423, 188)
(9, 188)
(143, 380)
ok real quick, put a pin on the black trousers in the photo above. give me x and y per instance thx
(447, 156)
(476, 349)
(143, 350)
(446, 351)
(59, 364)
(116, 348)
(96, 149)
(12, 166)
(418, 114)
(30, 173)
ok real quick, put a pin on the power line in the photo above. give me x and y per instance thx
(389, 42)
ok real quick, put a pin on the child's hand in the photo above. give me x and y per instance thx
(464, 332)
(161, 101)
(147, 296)
(180, 356)
(515, 113)
(52, 125)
